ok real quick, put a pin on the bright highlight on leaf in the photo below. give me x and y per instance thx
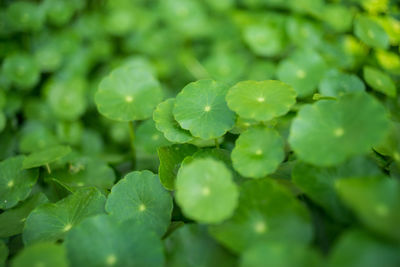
(261, 101)
(205, 191)
(326, 133)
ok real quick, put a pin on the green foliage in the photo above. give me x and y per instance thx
(205, 190)
(51, 221)
(140, 196)
(103, 241)
(201, 108)
(326, 133)
(199, 133)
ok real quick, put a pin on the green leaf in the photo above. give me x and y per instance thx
(379, 81)
(51, 221)
(41, 254)
(205, 191)
(258, 152)
(376, 202)
(391, 145)
(267, 212)
(280, 254)
(370, 32)
(140, 196)
(46, 156)
(336, 83)
(261, 101)
(66, 97)
(22, 70)
(170, 160)
(25, 16)
(201, 108)
(326, 133)
(12, 221)
(318, 183)
(356, 248)
(303, 70)
(103, 241)
(128, 94)
(166, 123)
(15, 183)
(3, 253)
(86, 171)
(191, 246)
(148, 139)
(264, 39)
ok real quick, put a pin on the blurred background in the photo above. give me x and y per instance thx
(53, 53)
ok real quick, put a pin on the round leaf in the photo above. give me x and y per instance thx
(15, 183)
(375, 200)
(336, 84)
(46, 156)
(262, 101)
(328, 132)
(166, 123)
(51, 221)
(201, 108)
(266, 212)
(41, 254)
(379, 81)
(303, 70)
(359, 249)
(22, 70)
(191, 246)
(258, 152)
(205, 191)
(370, 32)
(128, 94)
(140, 196)
(280, 254)
(12, 221)
(170, 159)
(103, 241)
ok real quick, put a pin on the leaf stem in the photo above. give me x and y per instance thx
(216, 143)
(132, 141)
(321, 97)
(48, 168)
